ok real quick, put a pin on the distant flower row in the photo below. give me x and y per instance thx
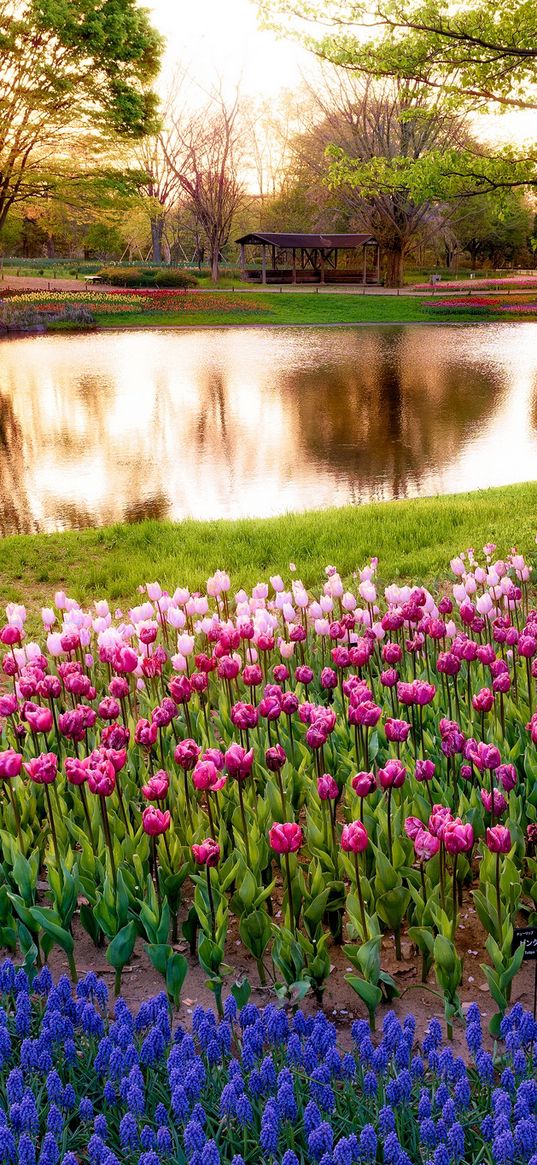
(487, 306)
(118, 302)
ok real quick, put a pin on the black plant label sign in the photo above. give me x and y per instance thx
(527, 935)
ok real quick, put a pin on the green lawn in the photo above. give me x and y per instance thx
(289, 308)
(414, 540)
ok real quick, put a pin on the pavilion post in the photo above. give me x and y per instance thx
(294, 264)
(273, 258)
(365, 265)
(263, 263)
(378, 263)
(321, 258)
(243, 262)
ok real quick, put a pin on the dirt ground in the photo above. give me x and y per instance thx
(340, 1002)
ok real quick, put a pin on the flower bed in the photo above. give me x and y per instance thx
(518, 281)
(486, 305)
(147, 301)
(366, 760)
(81, 1087)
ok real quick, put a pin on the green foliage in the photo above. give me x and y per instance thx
(147, 277)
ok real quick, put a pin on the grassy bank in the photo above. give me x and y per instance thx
(413, 540)
(285, 308)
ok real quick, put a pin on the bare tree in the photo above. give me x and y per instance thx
(204, 152)
(161, 186)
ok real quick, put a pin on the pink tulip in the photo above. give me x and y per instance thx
(275, 758)
(424, 770)
(244, 716)
(8, 705)
(397, 731)
(124, 660)
(186, 754)
(507, 776)
(101, 777)
(238, 761)
(438, 820)
(498, 839)
(327, 788)
(354, 838)
(145, 733)
(206, 776)
(207, 853)
(9, 635)
(413, 825)
(75, 771)
(364, 784)
(286, 838)
(483, 701)
(494, 803)
(457, 837)
(42, 769)
(10, 764)
(155, 821)
(40, 719)
(392, 776)
(157, 786)
(426, 845)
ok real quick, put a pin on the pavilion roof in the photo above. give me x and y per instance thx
(315, 242)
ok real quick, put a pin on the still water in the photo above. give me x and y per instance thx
(227, 423)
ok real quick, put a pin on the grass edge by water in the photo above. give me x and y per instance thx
(414, 541)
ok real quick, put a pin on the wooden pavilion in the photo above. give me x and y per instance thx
(305, 258)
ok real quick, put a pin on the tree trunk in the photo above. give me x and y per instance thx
(157, 228)
(215, 255)
(51, 250)
(394, 268)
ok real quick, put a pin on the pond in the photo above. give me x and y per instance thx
(250, 421)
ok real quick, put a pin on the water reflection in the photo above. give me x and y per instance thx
(120, 426)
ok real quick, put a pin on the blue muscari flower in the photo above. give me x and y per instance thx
(386, 1121)
(228, 1100)
(392, 1149)
(102, 1059)
(370, 1084)
(97, 1150)
(70, 1159)
(210, 1154)
(8, 1149)
(425, 1107)
(243, 1110)
(310, 1056)
(293, 1051)
(213, 1053)
(368, 1144)
(26, 1150)
(474, 1037)
(238, 1159)
(449, 1112)
(277, 1024)
(527, 1091)
(268, 1074)
(287, 1106)
(360, 1030)
(417, 1068)
(441, 1156)
(128, 1132)
(224, 1035)
(343, 1152)
(149, 1158)
(23, 1015)
(507, 1079)
(312, 1116)
(230, 1009)
(109, 1093)
(5, 1047)
(54, 1121)
(195, 1080)
(456, 1141)
(462, 1093)
(501, 1102)
(270, 1127)
(433, 1037)
(519, 1063)
(320, 1140)
(147, 1137)
(7, 977)
(320, 1089)
(485, 1067)
(503, 1149)
(135, 1099)
(15, 1118)
(153, 1047)
(290, 1158)
(348, 1067)
(428, 1133)
(92, 1020)
(68, 1098)
(100, 1126)
(441, 1130)
(441, 1095)
(50, 1153)
(161, 1115)
(526, 1137)
(29, 1113)
(15, 1086)
(85, 1109)
(249, 1015)
(402, 1054)
(22, 982)
(194, 1137)
(164, 1141)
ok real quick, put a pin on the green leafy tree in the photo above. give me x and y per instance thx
(74, 76)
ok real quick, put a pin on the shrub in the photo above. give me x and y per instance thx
(147, 277)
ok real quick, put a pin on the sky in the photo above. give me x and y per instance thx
(222, 39)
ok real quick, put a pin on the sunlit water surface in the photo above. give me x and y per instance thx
(228, 423)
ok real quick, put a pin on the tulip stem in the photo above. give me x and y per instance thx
(499, 901)
(84, 800)
(210, 815)
(454, 920)
(52, 825)
(282, 793)
(244, 826)
(108, 839)
(16, 815)
(390, 841)
(211, 903)
(360, 897)
(290, 894)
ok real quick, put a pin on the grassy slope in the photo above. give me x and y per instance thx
(292, 308)
(414, 540)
